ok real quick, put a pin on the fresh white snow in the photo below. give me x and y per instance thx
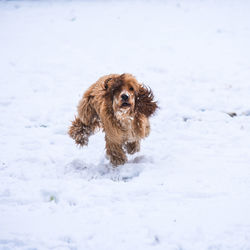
(189, 186)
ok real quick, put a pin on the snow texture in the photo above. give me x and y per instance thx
(189, 186)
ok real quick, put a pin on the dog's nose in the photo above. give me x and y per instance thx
(124, 97)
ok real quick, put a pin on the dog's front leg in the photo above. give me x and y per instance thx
(80, 132)
(115, 153)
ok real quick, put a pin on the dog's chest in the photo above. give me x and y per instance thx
(127, 123)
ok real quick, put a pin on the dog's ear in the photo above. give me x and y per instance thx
(145, 103)
(106, 86)
(111, 85)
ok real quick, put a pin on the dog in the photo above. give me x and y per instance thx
(121, 107)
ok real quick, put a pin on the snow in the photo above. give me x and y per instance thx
(188, 187)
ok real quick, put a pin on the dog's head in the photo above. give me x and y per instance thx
(122, 92)
(127, 96)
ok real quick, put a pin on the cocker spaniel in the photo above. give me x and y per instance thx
(121, 107)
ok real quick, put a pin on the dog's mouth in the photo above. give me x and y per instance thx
(125, 105)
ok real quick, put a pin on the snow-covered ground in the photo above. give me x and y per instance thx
(188, 188)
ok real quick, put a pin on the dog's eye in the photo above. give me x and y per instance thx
(131, 88)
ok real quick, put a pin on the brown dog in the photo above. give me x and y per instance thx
(121, 107)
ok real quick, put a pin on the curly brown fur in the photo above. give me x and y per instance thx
(132, 147)
(115, 152)
(121, 107)
(79, 132)
(145, 103)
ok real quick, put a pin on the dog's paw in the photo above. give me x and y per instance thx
(81, 139)
(115, 161)
(79, 132)
(132, 147)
